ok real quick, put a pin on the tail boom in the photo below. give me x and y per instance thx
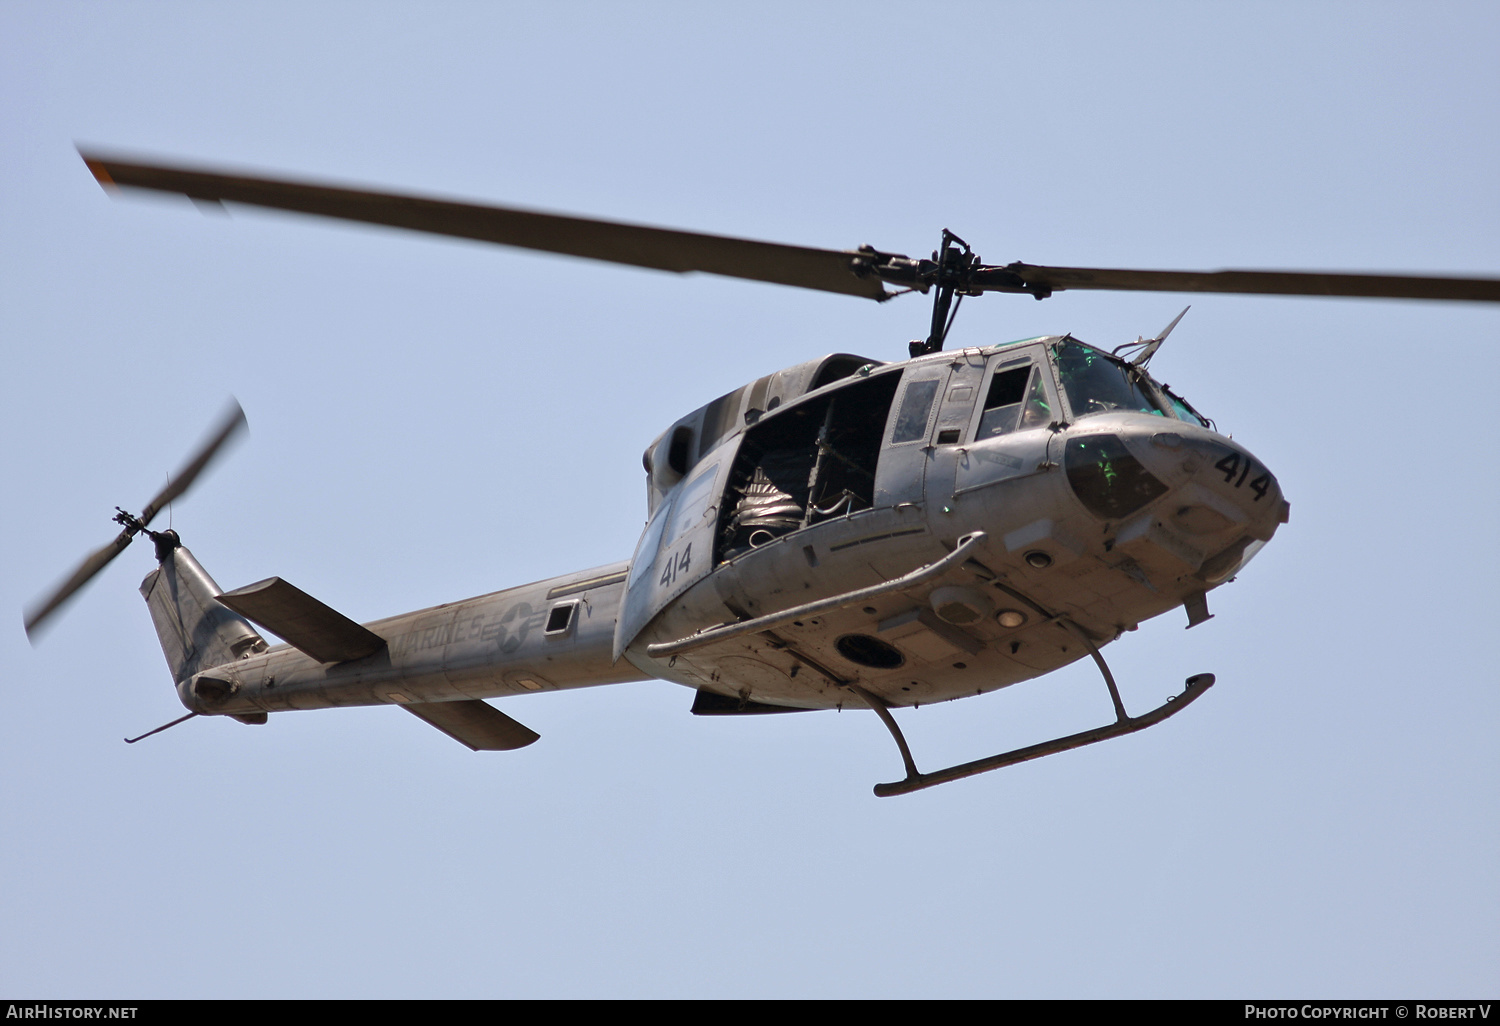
(550, 635)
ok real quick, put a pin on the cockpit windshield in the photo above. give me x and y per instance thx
(1096, 382)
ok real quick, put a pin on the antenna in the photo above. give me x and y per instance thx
(1149, 346)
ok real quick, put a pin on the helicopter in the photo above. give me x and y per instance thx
(843, 533)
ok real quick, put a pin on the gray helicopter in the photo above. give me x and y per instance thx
(844, 533)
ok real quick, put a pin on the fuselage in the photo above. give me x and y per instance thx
(1104, 500)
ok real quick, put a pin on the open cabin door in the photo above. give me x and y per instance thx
(807, 464)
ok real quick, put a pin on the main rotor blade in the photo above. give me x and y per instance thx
(232, 422)
(1272, 283)
(38, 614)
(637, 245)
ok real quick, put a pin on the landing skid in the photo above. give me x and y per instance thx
(1124, 722)
(916, 781)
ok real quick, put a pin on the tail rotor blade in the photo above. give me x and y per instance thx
(38, 614)
(233, 422)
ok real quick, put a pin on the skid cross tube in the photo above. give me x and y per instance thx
(884, 712)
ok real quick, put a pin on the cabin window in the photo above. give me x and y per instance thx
(560, 619)
(692, 503)
(645, 552)
(916, 409)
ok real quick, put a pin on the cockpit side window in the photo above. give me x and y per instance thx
(1096, 383)
(1184, 411)
(1016, 401)
(1002, 403)
(1038, 410)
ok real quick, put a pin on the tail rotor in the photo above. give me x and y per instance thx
(228, 427)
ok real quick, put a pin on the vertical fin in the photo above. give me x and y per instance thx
(195, 631)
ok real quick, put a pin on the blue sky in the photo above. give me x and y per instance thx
(434, 419)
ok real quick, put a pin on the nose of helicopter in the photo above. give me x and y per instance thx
(1193, 494)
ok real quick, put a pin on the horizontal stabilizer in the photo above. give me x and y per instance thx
(321, 631)
(477, 724)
